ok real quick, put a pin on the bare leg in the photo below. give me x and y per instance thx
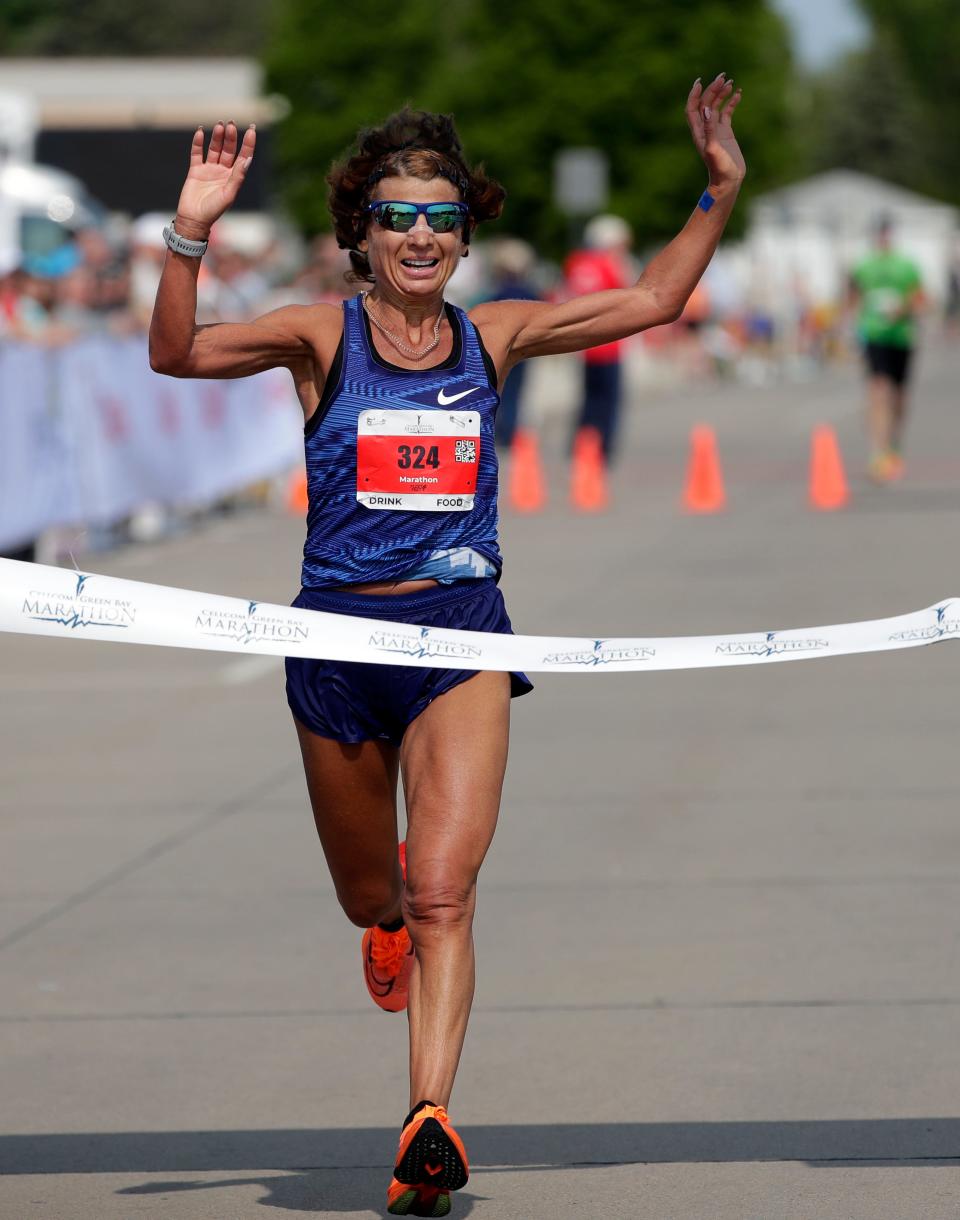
(453, 760)
(353, 791)
(879, 414)
(898, 404)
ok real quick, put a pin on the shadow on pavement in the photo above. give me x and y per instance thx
(323, 1190)
(894, 1141)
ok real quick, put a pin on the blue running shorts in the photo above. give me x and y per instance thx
(354, 701)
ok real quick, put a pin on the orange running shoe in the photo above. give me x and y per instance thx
(404, 1200)
(388, 960)
(883, 468)
(431, 1161)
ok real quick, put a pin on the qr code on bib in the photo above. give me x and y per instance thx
(466, 451)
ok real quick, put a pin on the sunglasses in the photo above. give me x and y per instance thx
(400, 217)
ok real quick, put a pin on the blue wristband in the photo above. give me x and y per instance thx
(706, 201)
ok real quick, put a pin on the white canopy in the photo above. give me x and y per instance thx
(809, 235)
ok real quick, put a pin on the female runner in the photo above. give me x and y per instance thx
(399, 392)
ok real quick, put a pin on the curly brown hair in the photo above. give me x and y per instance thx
(410, 143)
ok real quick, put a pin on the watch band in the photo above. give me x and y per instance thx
(183, 245)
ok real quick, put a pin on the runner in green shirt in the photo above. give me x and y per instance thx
(887, 289)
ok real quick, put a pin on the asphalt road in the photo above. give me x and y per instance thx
(719, 928)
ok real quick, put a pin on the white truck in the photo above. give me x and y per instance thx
(40, 207)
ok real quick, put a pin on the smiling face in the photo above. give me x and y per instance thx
(416, 264)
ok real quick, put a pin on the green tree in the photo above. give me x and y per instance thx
(525, 81)
(342, 67)
(926, 34)
(884, 109)
(865, 114)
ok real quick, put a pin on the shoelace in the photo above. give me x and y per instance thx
(388, 950)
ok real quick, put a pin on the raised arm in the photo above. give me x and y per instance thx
(177, 345)
(520, 329)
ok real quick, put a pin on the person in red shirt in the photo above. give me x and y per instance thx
(603, 263)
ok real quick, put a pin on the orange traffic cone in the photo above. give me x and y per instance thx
(297, 493)
(588, 480)
(704, 491)
(527, 488)
(828, 481)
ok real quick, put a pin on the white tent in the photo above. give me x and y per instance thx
(805, 238)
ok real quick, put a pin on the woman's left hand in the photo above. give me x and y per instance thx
(709, 114)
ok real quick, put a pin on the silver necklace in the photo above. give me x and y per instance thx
(397, 341)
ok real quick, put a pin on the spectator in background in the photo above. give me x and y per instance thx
(10, 277)
(108, 266)
(29, 303)
(602, 263)
(55, 297)
(951, 308)
(238, 286)
(9, 271)
(888, 293)
(511, 270)
(146, 262)
(34, 294)
(12, 327)
(75, 301)
(323, 276)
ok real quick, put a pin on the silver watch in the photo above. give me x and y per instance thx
(183, 245)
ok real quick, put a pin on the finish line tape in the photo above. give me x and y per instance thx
(38, 600)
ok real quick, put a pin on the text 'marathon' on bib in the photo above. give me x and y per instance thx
(420, 460)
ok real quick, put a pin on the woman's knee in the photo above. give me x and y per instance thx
(366, 905)
(437, 904)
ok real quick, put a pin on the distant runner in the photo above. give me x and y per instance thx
(887, 289)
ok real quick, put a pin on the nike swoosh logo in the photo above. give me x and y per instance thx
(444, 401)
(433, 1172)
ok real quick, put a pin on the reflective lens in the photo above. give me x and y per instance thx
(445, 217)
(397, 217)
(400, 217)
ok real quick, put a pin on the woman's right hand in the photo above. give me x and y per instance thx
(212, 184)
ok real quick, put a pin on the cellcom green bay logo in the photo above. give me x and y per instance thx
(246, 627)
(602, 653)
(85, 607)
(769, 646)
(941, 629)
(420, 643)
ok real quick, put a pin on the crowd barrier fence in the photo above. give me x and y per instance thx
(89, 434)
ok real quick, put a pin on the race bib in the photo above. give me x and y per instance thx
(421, 460)
(887, 302)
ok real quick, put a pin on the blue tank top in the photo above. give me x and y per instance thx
(400, 462)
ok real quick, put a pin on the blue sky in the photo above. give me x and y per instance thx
(823, 29)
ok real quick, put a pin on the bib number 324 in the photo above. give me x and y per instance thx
(421, 460)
